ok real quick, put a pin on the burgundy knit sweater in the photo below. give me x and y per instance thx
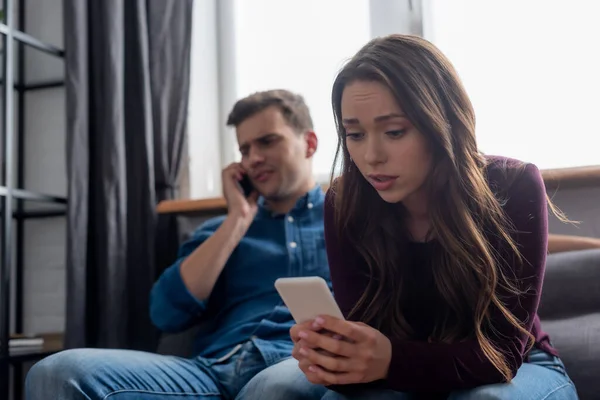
(420, 366)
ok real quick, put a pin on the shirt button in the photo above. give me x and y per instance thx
(309, 205)
(290, 219)
(293, 245)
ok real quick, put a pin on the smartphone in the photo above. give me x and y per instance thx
(246, 185)
(307, 298)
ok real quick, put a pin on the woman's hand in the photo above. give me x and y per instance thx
(353, 352)
(303, 363)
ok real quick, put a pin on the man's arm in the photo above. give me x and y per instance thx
(176, 304)
(172, 307)
(202, 268)
(561, 243)
(179, 297)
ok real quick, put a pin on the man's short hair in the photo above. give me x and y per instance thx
(291, 105)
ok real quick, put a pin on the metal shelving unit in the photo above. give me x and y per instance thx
(13, 212)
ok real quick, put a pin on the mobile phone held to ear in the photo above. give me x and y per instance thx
(307, 298)
(246, 186)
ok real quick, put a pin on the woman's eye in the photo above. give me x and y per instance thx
(396, 133)
(354, 136)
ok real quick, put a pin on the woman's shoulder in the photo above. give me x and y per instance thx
(511, 177)
(520, 189)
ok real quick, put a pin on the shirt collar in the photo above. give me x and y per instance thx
(306, 202)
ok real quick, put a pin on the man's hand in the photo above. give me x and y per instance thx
(238, 205)
(358, 354)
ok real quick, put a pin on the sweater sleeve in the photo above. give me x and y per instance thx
(422, 366)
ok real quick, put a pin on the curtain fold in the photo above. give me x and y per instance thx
(127, 80)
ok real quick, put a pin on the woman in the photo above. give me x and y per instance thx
(436, 252)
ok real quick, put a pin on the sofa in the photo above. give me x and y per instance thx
(569, 310)
(570, 314)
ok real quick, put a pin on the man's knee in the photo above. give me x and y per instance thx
(61, 372)
(367, 394)
(60, 364)
(480, 393)
(281, 381)
(497, 391)
(272, 379)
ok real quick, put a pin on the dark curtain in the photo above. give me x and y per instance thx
(127, 80)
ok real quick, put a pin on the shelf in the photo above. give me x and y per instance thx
(21, 48)
(31, 41)
(41, 85)
(37, 85)
(39, 214)
(28, 195)
(32, 355)
(53, 343)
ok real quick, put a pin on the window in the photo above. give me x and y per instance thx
(299, 45)
(242, 46)
(529, 67)
(531, 70)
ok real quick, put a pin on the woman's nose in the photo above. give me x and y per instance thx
(375, 151)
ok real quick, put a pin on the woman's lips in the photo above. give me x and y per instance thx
(381, 182)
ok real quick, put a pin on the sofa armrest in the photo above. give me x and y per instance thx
(571, 284)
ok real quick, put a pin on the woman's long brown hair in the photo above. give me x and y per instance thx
(467, 218)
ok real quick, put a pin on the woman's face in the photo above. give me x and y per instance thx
(391, 154)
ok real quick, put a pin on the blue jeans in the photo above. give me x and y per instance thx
(99, 374)
(542, 378)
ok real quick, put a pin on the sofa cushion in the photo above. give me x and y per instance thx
(578, 342)
(571, 285)
(570, 314)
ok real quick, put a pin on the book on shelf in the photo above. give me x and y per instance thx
(19, 341)
(26, 342)
(44, 342)
(23, 344)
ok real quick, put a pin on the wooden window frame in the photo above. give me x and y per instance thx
(555, 179)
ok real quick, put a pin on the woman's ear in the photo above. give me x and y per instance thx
(312, 143)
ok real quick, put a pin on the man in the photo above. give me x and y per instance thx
(224, 274)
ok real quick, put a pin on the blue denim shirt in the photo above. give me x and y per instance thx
(244, 304)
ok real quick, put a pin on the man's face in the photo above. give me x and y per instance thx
(276, 158)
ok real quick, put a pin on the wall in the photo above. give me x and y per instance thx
(45, 172)
(581, 205)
